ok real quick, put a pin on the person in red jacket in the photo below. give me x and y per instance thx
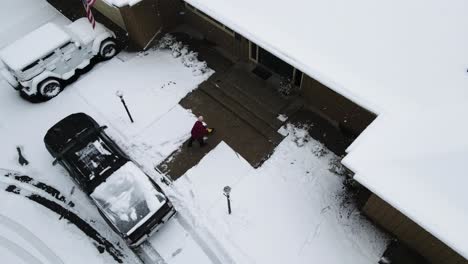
(199, 131)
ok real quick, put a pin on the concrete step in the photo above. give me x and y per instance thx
(261, 91)
(239, 110)
(249, 103)
(296, 105)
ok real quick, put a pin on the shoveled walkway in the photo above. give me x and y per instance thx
(242, 107)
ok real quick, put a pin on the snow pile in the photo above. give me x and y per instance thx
(127, 197)
(83, 30)
(290, 210)
(121, 3)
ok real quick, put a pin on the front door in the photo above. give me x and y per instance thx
(275, 64)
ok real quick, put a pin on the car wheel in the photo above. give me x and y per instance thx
(108, 49)
(49, 88)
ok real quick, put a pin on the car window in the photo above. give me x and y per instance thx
(48, 57)
(94, 159)
(30, 66)
(67, 47)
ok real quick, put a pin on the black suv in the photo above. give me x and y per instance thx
(129, 200)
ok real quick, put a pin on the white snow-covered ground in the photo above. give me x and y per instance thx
(286, 211)
(152, 84)
(22, 16)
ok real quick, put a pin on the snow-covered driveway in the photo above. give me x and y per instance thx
(152, 84)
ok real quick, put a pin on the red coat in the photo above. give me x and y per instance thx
(198, 130)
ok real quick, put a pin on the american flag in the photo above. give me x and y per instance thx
(88, 4)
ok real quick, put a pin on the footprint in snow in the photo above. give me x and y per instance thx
(177, 252)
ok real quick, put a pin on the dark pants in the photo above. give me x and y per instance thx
(200, 141)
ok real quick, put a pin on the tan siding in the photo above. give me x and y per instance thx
(410, 233)
(243, 49)
(169, 10)
(142, 21)
(211, 32)
(352, 118)
(110, 12)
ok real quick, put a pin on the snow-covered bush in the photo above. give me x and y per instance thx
(285, 87)
(319, 150)
(166, 42)
(190, 60)
(338, 168)
(300, 136)
(179, 50)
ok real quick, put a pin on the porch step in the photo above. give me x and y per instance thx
(249, 103)
(265, 129)
(263, 92)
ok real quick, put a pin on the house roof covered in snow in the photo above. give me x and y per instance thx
(404, 60)
(34, 46)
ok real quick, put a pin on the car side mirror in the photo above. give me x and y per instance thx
(54, 162)
(103, 127)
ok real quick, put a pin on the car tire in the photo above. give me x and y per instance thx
(49, 88)
(108, 49)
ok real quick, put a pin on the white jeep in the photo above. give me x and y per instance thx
(40, 63)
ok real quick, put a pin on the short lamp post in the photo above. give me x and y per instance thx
(120, 95)
(227, 191)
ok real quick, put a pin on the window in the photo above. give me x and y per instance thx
(30, 66)
(297, 78)
(253, 51)
(275, 64)
(210, 19)
(94, 159)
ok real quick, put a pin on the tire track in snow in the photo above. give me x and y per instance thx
(40, 185)
(27, 235)
(19, 251)
(34, 186)
(101, 243)
(207, 241)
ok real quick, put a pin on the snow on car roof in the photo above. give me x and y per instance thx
(128, 198)
(393, 58)
(34, 46)
(82, 29)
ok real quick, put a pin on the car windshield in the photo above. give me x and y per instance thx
(94, 159)
(128, 198)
